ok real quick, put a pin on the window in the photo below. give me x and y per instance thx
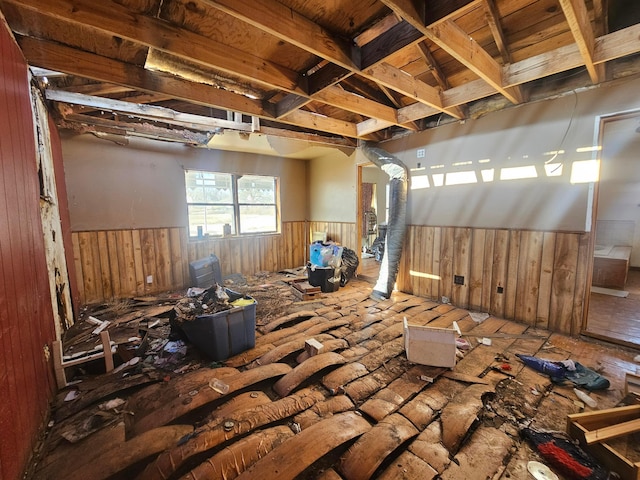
(247, 203)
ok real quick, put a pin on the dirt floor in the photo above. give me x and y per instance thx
(354, 409)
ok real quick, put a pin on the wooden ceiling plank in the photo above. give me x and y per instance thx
(110, 17)
(290, 103)
(327, 76)
(372, 125)
(283, 22)
(442, 10)
(149, 112)
(493, 19)
(396, 38)
(577, 17)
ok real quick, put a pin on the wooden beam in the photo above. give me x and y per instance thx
(272, 17)
(88, 65)
(114, 19)
(404, 83)
(283, 22)
(149, 112)
(315, 121)
(90, 124)
(453, 40)
(438, 74)
(466, 50)
(338, 97)
(575, 11)
(493, 19)
(77, 62)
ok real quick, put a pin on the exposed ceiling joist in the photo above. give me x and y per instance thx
(578, 18)
(337, 71)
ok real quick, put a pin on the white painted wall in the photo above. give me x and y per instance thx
(141, 185)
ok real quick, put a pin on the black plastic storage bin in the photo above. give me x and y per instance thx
(327, 278)
(205, 272)
(226, 333)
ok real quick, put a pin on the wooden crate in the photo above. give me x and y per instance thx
(304, 290)
(593, 429)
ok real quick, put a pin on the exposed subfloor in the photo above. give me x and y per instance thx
(356, 410)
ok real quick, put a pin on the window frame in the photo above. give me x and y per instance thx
(236, 205)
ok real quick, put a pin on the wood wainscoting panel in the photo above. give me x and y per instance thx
(114, 264)
(538, 278)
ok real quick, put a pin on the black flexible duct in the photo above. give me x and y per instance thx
(397, 223)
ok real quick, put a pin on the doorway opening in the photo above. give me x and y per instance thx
(373, 209)
(613, 306)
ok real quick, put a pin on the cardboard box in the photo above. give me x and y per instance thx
(430, 345)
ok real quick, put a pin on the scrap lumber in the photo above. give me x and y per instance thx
(235, 459)
(389, 399)
(286, 319)
(428, 447)
(302, 372)
(460, 413)
(343, 375)
(281, 351)
(239, 423)
(177, 406)
(323, 409)
(116, 386)
(408, 466)
(307, 447)
(118, 458)
(367, 454)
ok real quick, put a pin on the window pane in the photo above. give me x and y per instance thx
(256, 189)
(208, 187)
(211, 219)
(257, 218)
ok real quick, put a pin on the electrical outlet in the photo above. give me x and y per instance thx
(458, 279)
(421, 152)
(149, 278)
(500, 289)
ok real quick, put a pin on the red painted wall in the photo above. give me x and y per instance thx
(26, 319)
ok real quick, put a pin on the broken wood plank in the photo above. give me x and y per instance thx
(239, 423)
(612, 431)
(459, 414)
(124, 455)
(307, 447)
(290, 318)
(174, 408)
(367, 454)
(302, 372)
(408, 466)
(343, 375)
(236, 458)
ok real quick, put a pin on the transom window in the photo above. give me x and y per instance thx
(239, 204)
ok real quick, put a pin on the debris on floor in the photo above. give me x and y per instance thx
(327, 384)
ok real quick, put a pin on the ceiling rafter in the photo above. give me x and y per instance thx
(453, 40)
(266, 15)
(77, 62)
(577, 16)
(154, 33)
(493, 19)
